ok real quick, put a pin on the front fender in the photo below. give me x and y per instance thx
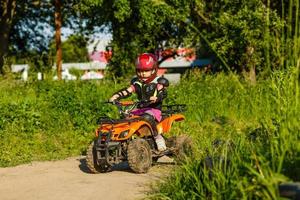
(141, 128)
(124, 131)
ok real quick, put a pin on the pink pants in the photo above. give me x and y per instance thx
(156, 113)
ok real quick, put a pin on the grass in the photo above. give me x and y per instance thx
(247, 138)
(48, 120)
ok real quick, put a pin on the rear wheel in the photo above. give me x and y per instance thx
(182, 146)
(91, 161)
(139, 155)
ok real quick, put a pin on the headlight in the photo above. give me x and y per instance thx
(123, 134)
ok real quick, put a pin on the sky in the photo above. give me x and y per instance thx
(101, 40)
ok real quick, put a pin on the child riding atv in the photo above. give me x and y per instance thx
(136, 137)
(148, 87)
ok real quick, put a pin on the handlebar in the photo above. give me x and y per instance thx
(142, 103)
(122, 103)
(125, 107)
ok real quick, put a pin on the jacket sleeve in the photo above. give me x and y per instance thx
(162, 93)
(123, 93)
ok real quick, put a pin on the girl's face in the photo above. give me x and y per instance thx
(144, 74)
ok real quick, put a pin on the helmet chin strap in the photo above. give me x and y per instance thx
(150, 78)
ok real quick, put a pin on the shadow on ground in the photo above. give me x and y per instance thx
(123, 166)
(119, 167)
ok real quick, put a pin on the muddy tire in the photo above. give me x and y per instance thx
(139, 155)
(171, 142)
(91, 161)
(182, 147)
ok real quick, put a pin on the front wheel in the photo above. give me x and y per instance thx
(139, 155)
(91, 161)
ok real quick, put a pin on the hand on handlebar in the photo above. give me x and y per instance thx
(153, 99)
(146, 103)
(143, 103)
(114, 98)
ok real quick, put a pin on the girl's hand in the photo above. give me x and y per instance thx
(113, 98)
(153, 99)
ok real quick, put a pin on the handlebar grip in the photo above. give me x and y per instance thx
(126, 103)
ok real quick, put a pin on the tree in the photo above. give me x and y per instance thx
(244, 36)
(136, 27)
(27, 26)
(241, 34)
(7, 8)
(58, 24)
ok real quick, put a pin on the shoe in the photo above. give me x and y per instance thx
(160, 142)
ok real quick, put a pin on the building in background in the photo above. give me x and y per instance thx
(23, 69)
(178, 61)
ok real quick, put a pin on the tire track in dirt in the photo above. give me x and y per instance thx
(69, 180)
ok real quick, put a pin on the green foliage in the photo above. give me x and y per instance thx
(247, 137)
(74, 49)
(250, 134)
(49, 120)
(122, 10)
(242, 35)
(33, 20)
(139, 26)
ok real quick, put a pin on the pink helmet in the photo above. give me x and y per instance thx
(146, 62)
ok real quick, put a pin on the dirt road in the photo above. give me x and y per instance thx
(69, 180)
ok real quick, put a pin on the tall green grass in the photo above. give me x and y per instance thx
(250, 135)
(247, 137)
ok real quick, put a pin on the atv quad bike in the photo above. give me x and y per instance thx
(130, 139)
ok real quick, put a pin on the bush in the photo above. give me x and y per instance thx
(49, 120)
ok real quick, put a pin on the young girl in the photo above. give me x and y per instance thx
(148, 87)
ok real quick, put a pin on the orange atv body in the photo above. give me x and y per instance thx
(123, 131)
(129, 139)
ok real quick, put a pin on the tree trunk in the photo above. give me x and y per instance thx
(58, 23)
(252, 75)
(7, 8)
(251, 66)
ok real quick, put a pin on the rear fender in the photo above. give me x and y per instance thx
(165, 125)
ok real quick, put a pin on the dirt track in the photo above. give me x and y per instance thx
(69, 180)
